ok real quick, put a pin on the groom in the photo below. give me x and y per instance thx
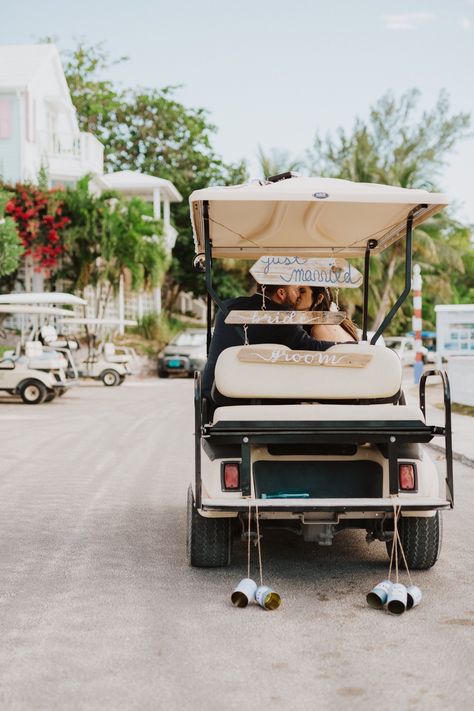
(274, 298)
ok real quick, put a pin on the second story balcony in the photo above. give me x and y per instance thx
(71, 155)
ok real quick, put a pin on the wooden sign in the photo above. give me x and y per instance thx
(331, 272)
(285, 318)
(260, 354)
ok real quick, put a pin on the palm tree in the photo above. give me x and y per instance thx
(395, 147)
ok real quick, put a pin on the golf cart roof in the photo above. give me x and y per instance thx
(307, 217)
(33, 309)
(42, 297)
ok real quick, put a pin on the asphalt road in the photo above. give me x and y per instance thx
(98, 609)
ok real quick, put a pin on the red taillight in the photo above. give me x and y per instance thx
(406, 475)
(231, 475)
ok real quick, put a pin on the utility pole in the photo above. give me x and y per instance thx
(417, 323)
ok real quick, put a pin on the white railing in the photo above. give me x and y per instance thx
(82, 147)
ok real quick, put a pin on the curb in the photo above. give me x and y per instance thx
(457, 456)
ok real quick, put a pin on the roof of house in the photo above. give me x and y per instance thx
(130, 182)
(20, 64)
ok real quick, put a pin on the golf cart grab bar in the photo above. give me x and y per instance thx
(447, 432)
(408, 261)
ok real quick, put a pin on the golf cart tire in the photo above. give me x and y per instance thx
(209, 540)
(110, 378)
(33, 392)
(421, 540)
(50, 396)
(163, 374)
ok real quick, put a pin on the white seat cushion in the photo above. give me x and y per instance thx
(380, 378)
(316, 413)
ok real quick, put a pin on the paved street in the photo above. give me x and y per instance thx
(98, 609)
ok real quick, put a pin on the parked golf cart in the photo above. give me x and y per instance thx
(104, 360)
(404, 347)
(30, 357)
(315, 442)
(184, 355)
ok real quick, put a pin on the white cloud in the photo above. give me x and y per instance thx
(407, 21)
(466, 23)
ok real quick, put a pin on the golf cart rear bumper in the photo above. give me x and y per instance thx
(298, 506)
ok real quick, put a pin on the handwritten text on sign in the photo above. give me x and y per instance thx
(254, 354)
(285, 318)
(309, 272)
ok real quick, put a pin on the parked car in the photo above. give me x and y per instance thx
(185, 354)
(404, 346)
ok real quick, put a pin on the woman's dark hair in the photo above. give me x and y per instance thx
(324, 304)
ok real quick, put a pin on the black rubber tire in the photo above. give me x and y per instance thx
(110, 378)
(50, 396)
(27, 391)
(62, 391)
(208, 540)
(163, 374)
(421, 540)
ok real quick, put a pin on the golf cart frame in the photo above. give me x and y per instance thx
(234, 440)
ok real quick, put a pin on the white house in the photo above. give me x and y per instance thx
(38, 123)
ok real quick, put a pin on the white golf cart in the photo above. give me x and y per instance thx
(36, 374)
(319, 442)
(39, 342)
(104, 360)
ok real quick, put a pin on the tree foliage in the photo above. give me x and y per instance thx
(399, 145)
(11, 248)
(108, 235)
(151, 131)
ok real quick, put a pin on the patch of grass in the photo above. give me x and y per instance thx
(153, 332)
(459, 409)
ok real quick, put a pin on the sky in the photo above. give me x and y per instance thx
(275, 72)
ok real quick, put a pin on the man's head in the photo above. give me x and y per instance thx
(283, 295)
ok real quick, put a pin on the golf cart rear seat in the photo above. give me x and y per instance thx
(379, 381)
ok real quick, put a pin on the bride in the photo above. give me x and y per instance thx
(319, 298)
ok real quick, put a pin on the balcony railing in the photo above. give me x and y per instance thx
(82, 147)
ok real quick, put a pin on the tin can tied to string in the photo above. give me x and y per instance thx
(244, 592)
(396, 596)
(247, 590)
(377, 597)
(267, 598)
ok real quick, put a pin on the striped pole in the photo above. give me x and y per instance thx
(417, 323)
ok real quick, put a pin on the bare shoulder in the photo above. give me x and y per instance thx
(330, 333)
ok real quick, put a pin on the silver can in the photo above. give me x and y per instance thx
(377, 597)
(414, 596)
(244, 592)
(397, 599)
(267, 598)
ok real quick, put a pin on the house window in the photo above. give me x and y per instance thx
(5, 118)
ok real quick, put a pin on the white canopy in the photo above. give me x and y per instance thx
(312, 217)
(42, 297)
(33, 309)
(131, 183)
